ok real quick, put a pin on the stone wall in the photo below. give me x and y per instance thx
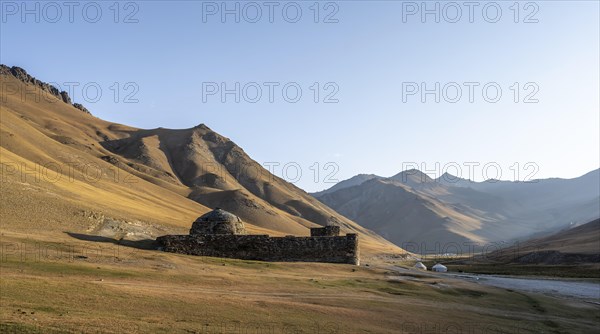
(325, 231)
(342, 249)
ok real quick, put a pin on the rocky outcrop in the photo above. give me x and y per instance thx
(23, 76)
(65, 97)
(82, 108)
(110, 159)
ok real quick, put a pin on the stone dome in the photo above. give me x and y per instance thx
(218, 221)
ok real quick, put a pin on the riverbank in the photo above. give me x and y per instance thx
(579, 271)
(585, 290)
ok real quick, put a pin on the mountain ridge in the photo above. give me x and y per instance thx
(176, 170)
(462, 210)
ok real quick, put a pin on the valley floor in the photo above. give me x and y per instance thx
(68, 285)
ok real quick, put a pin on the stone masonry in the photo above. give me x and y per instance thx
(217, 238)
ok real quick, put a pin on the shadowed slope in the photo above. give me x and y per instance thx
(161, 175)
(410, 207)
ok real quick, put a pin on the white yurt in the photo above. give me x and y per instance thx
(420, 266)
(439, 268)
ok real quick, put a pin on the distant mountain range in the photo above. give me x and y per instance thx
(412, 208)
(353, 181)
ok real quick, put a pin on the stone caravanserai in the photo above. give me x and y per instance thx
(222, 234)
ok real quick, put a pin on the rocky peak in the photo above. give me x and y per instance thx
(202, 126)
(23, 76)
(412, 176)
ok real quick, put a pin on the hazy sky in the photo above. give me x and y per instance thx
(367, 58)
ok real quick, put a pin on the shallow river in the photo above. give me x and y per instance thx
(589, 291)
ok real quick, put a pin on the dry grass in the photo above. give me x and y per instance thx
(150, 291)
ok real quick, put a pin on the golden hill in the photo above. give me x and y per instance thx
(61, 164)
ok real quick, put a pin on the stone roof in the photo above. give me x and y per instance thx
(218, 221)
(219, 215)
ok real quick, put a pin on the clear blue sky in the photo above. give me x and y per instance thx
(368, 55)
